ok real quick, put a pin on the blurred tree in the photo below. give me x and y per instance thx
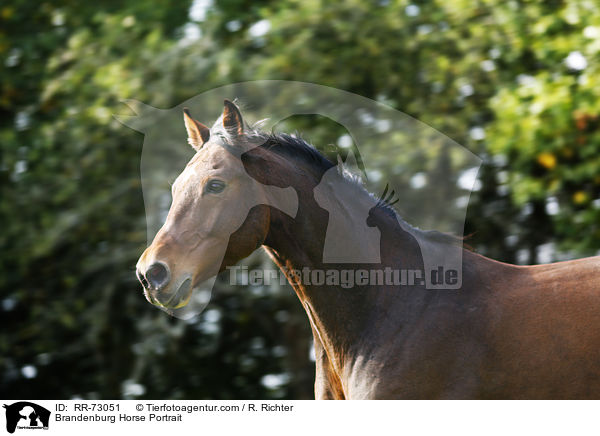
(73, 224)
(514, 81)
(68, 179)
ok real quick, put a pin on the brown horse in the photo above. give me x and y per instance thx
(508, 332)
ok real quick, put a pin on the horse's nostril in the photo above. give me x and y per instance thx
(157, 275)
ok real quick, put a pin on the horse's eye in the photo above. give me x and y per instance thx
(214, 186)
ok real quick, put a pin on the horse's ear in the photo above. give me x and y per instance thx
(232, 118)
(198, 133)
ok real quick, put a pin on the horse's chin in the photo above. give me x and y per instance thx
(178, 299)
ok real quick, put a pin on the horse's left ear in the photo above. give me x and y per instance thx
(198, 133)
(232, 118)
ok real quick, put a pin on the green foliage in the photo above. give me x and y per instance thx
(514, 81)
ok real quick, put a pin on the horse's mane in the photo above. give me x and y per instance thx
(294, 147)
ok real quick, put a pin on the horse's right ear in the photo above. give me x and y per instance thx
(198, 133)
(232, 118)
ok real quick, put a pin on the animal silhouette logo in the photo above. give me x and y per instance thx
(345, 220)
(26, 415)
(394, 140)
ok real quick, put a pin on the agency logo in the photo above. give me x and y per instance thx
(347, 227)
(26, 415)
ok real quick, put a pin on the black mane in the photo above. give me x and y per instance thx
(294, 147)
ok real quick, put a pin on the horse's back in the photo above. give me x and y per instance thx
(511, 332)
(543, 332)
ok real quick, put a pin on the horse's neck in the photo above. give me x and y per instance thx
(338, 316)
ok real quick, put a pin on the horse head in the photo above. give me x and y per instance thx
(213, 221)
